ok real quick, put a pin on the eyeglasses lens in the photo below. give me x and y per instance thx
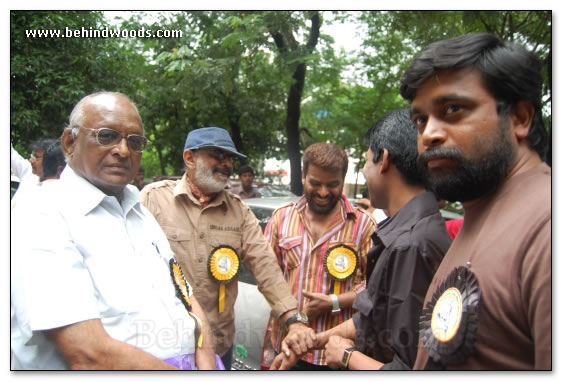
(108, 137)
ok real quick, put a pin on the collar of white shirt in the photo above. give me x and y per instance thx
(91, 196)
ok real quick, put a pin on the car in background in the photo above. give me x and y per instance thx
(252, 311)
(267, 190)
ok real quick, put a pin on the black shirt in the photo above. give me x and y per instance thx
(408, 248)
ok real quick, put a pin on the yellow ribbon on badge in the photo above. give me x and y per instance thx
(340, 263)
(198, 331)
(221, 298)
(223, 266)
(182, 291)
(180, 284)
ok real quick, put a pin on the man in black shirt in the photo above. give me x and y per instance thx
(408, 247)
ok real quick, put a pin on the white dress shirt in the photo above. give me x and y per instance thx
(21, 168)
(78, 254)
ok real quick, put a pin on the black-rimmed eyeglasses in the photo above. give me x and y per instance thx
(219, 154)
(110, 137)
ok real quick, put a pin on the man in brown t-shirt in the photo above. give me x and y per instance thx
(476, 102)
(212, 231)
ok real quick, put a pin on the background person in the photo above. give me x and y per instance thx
(246, 177)
(52, 163)
(308, 233)
(91, 288)
(29, 171)
(476, 102)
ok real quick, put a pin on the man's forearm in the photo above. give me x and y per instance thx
(347, 329)
(85, 345)
(345, 300)
(205, 356)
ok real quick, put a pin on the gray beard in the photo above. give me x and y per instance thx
(204, 179)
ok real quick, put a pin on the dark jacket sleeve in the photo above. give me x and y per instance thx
(409, 273)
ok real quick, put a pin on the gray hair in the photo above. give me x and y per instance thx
(76, 118)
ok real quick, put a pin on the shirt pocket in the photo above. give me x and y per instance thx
(226, 238)
(291, 249)
(178, 238)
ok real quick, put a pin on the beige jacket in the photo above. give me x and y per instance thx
(193, 233)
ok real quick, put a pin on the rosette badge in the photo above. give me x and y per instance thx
(340, 263)
(223, 266)
(183, 293)
(448, 324)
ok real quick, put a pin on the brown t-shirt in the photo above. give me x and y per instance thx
(506, 237)
(194, 232)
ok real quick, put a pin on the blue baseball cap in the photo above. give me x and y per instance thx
(211, 137)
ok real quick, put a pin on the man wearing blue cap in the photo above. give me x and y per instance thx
(211, 231)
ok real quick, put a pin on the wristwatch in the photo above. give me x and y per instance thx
(297, 317)
(335, 304)
(346, 357)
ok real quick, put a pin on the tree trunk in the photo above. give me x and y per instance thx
(234, 119)
(286, 42)
(292, 127)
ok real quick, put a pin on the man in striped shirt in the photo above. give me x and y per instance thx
(321, 243)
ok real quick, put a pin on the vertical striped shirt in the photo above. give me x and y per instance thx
(302, 260)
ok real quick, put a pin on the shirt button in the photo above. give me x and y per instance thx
(201, 235)
(197, 283)
(174, 236)
(199, 260)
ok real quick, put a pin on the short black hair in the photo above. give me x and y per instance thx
(510, 72)
(244, 169)
(397, 133)
(53, 158)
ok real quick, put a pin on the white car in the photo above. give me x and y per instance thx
(252, 311)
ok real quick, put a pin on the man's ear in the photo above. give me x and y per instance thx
(67, 142)
(521, 117)
(302, 177)
(189, 158)
(385, 161)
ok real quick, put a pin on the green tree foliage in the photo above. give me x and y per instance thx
(48, 75)
(217, 74)
(394, 38)
(272, 78)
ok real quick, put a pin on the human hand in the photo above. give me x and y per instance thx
(319, 303)
(283, 362)
(334, 350)
(300, 339)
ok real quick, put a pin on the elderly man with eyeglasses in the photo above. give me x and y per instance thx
(212, 231)
(93, 281)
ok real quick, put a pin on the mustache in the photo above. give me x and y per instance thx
(440, 152)
(223, 170)
(329, 196)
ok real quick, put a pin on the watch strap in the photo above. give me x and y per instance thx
(335, 303)
(346, 357)
(297, 317)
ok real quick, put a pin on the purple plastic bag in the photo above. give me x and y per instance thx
(187, 362)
